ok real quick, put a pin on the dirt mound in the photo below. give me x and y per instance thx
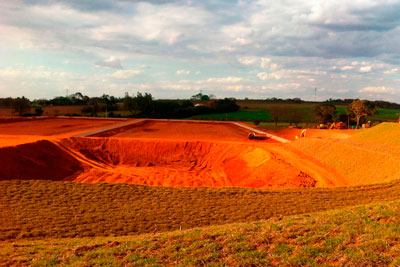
(40, 160)
(369, 156)
(384, 133)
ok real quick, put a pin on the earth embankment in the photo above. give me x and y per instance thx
(41, 160)
(368, 156)
(165, 163)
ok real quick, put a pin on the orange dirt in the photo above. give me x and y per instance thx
(365, 156)
(52, 126)
(167, 163)
(195, 154)
(182, 130)
(290, 133)
(40, 160)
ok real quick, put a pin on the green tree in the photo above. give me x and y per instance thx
(362, 108)
(21, 105)
(277, 113)
(325, 112)
(141, 102)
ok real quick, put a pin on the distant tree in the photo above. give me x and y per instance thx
(94, 102)
(187, 104)
(129, 104)
(295, 116)
(39, 111)
(277, 113)
(200, 96)
(21, 105)
(205, 97)
(362, 108)
(325, 112)
(142, 103)
(225, 105)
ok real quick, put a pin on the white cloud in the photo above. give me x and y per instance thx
(366, 69)
(265, 62)
(344, 68)
(112, 62)
(248, 60)
(125, 74)
(265, 76)
(296, 42)
(225, 80)
(378, 89)
(183, 72)
(391, 71)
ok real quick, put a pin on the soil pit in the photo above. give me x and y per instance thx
(153, 162)
(185, 130)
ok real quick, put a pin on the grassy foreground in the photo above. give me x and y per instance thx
(359, 236)
(45, 209)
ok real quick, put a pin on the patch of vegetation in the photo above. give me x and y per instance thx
(358, 236)
(243, 114)
(292, 114)
(45, 209)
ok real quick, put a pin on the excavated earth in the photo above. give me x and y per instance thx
(196, 154)
(155, 153)
(160, 162)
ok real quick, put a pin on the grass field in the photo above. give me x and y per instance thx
(43, 209)
(261, 112)
(359, 236)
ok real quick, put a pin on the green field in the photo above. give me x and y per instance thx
(304, 111)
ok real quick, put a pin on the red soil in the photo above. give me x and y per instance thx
(365, 156)
(53, 126)
(167, 163)
(40, 160)
(290, 133)
(185, 130)
(197, 154)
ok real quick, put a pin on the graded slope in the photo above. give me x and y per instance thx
(41, 160)
(369, 156)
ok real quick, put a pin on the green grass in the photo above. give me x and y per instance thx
(359, 236)
(305, 111)
(385, 115)
(243, 114)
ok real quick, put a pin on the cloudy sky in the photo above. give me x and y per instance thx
(174, 49)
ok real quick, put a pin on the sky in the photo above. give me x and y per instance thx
(175, 49)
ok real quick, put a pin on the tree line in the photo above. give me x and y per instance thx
(143, 105)
(139, 105)
(357, 110)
